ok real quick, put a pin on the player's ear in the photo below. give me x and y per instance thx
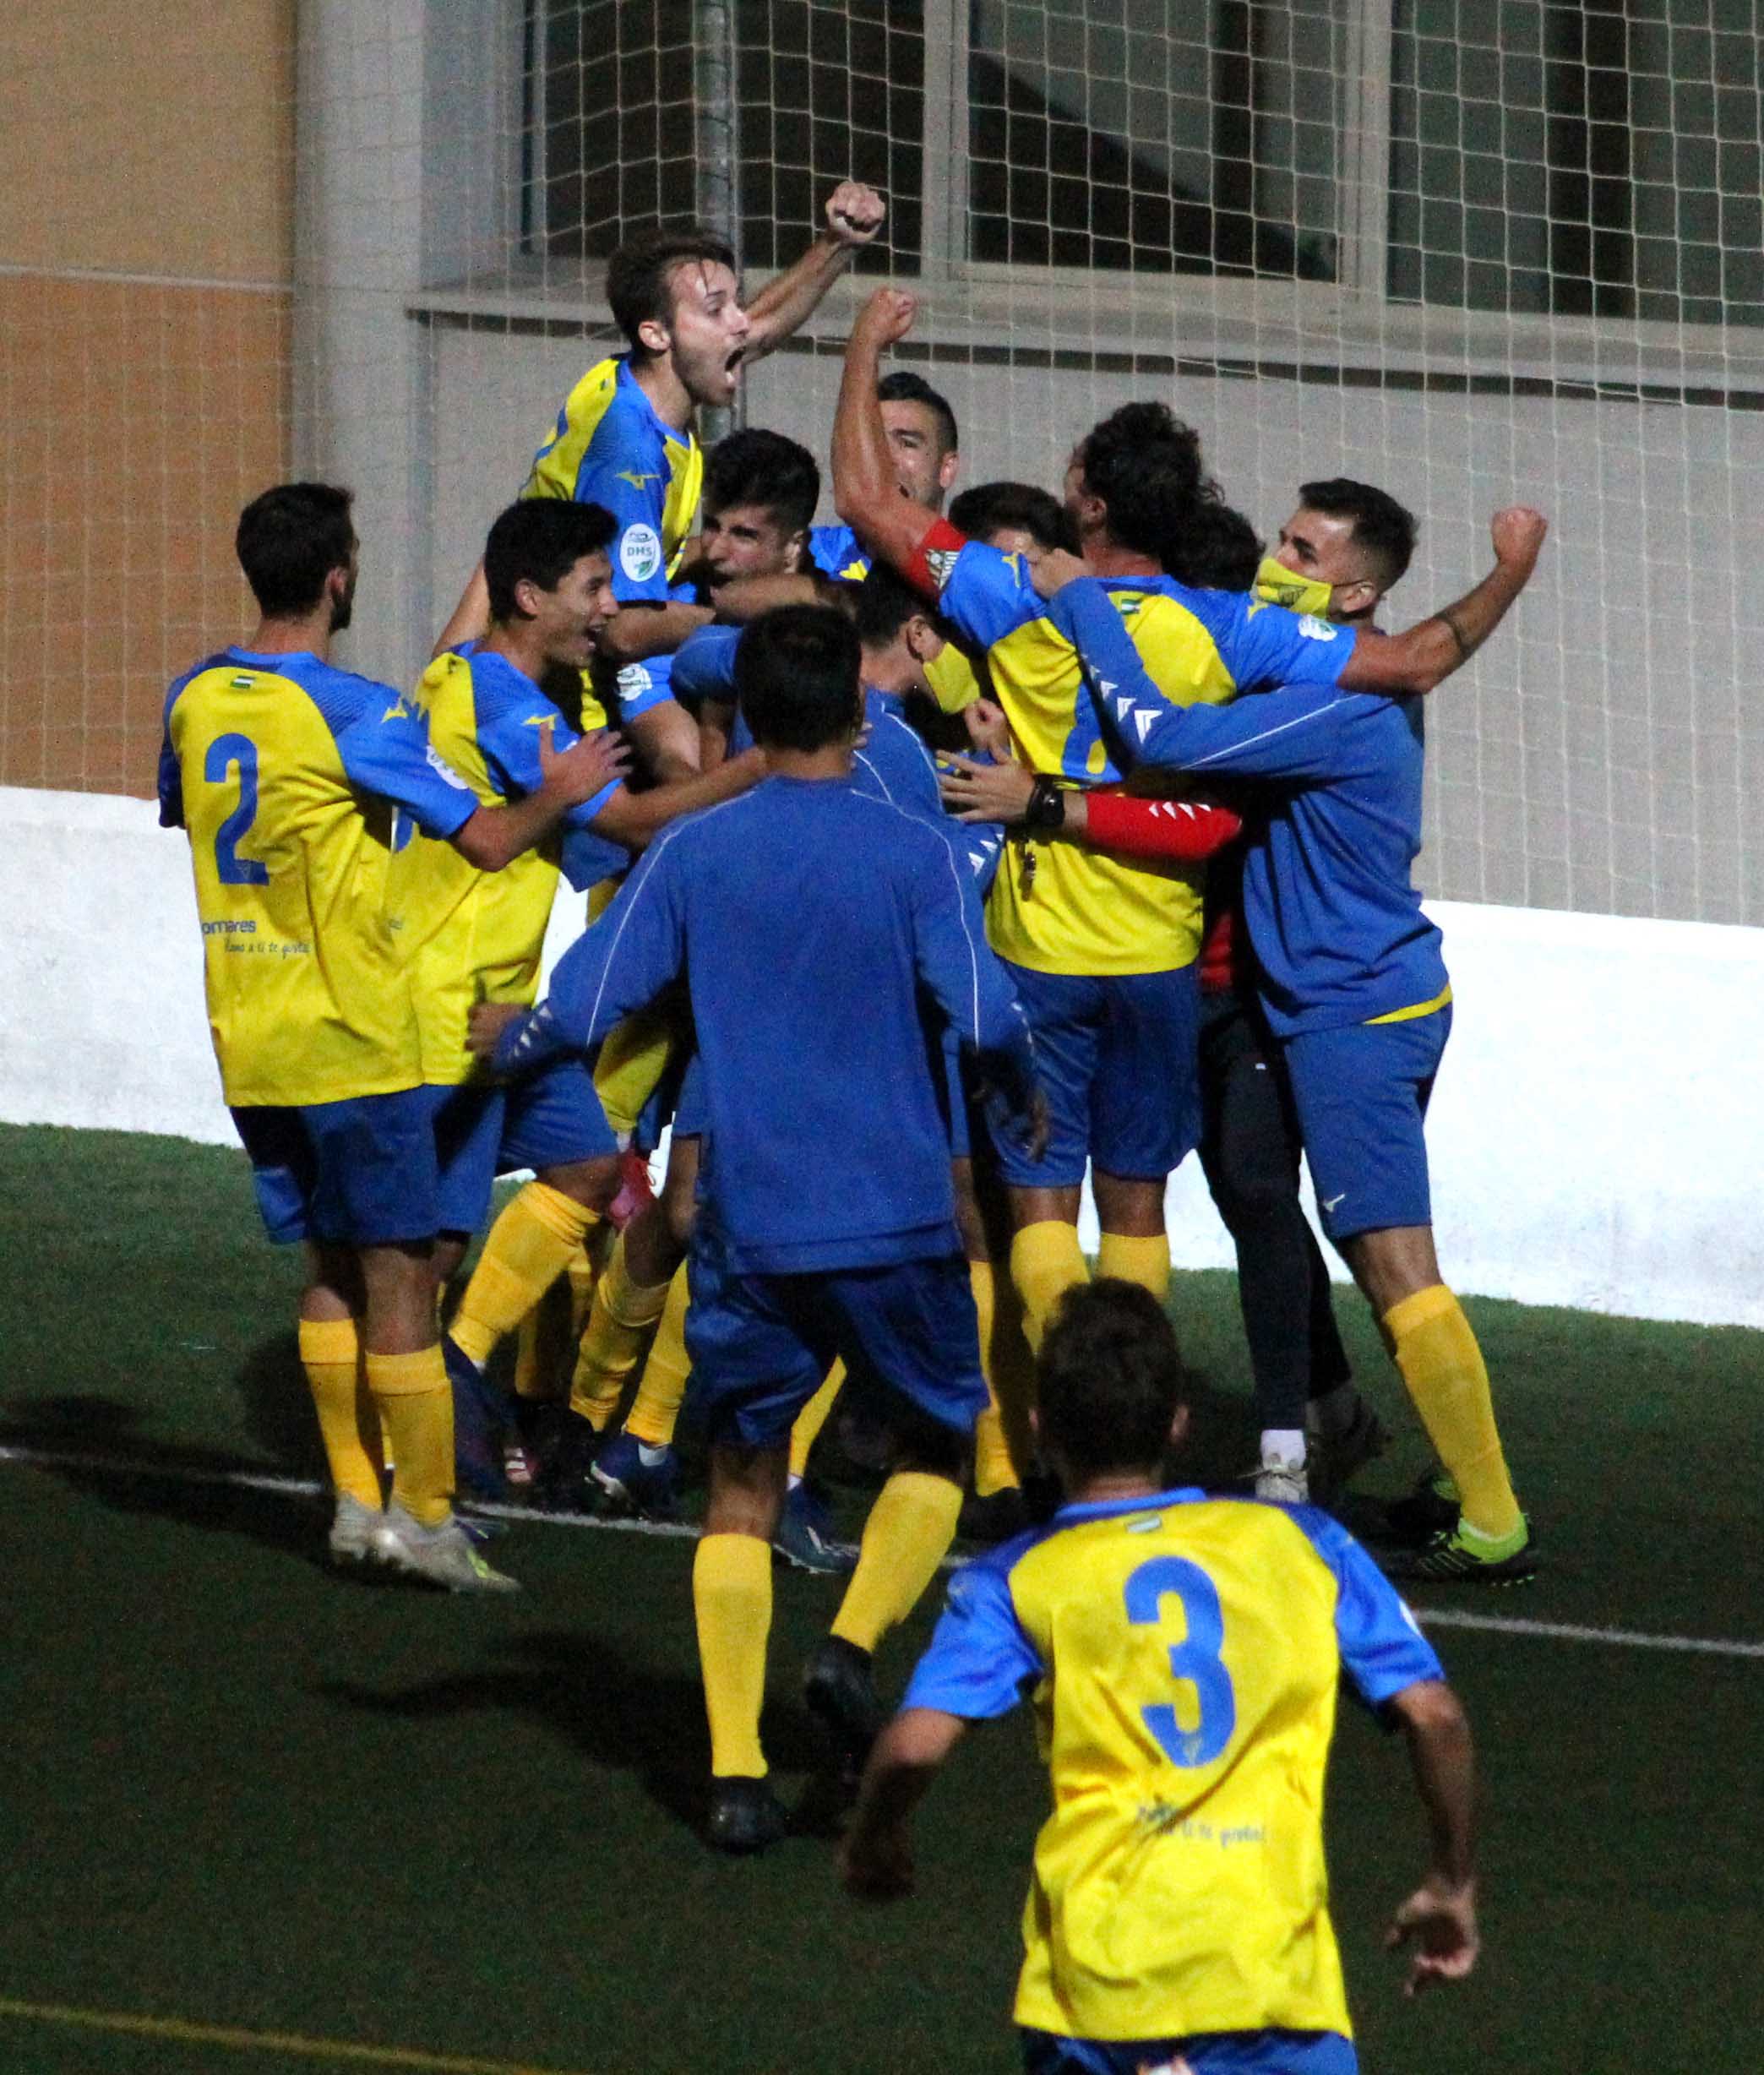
(654, 336)
(1179, 1427)
(947, 468)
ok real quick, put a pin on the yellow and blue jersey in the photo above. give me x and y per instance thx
(466, 934)
(1329, 895)
(610, 447)
(955, 682)
(1183, 1655)
(286, 772)
(1062, 907)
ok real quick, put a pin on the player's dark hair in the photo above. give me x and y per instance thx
(754, 466)
(1212, 545)
(984, 507)
(884, 603)
(1145, 465)
(639, 275)
(797, 676)
(1382, 526)
(540, 540)
(289, 540)
(903, 386)
(1109, 1379)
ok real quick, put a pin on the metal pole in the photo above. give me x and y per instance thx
(717, 142)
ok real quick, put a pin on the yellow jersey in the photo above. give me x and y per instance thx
(466, 934)
(1182, 1654)
(1059, 906)
(285, 773)
(609, 447)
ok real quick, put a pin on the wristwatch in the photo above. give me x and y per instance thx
(1046, 811)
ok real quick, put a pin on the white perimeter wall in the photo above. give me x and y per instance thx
(1597, 1135)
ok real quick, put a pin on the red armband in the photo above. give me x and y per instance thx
(1186, 831)
(935, 557)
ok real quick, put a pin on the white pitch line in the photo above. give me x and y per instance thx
(681, 1531)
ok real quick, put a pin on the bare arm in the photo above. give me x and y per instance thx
(637, 631)
(744, 598)
(716, 723)
(1426, 654)
(666, 739)
(470, 616)
(495, 836)
(875, 1860)
(1440, 1915)
(633, 819)
(854, 215)
(866, 492)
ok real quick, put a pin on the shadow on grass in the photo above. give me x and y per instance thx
(602, 1703)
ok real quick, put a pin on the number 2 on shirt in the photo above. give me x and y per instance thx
(1196, 1660)
(224, 752)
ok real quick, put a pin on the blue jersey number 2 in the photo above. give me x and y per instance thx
(1195, 1659)
(224, 752)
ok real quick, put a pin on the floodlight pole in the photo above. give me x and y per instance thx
(717, 140)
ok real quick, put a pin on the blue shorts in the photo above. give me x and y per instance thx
(357, 1173)
(761, 1344)
(1362, 1095)
(1269, 2052)
(552, 1119)
(1117, 1055)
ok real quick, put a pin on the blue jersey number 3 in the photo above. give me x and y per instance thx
(1196, 1660)
(224, 752)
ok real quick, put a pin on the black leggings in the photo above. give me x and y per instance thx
(1249, 1148)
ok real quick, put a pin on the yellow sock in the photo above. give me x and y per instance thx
(812, 1417)
(415, 1410)
(618, 1322)
(528, 1249)
(1435, 1348)
(1145, 1262)
(662, 1388)
(731, 1598)
(585, 1274)
(993, 1468)
(906, 1537)
(1045, 1261)
(330, 1353)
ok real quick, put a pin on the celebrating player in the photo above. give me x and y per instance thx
(625, 438)
(1355, 991)
(285, 772)
(807, 919)
(472, 939)
(1184, 1654)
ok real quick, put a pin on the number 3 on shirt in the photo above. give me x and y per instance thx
(224, 752)
(1196, 1660)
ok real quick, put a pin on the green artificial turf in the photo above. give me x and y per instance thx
(245, 1792)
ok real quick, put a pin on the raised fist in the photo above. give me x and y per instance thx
(855, 213)
(1517, 533)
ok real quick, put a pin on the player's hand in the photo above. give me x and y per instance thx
(1040, 1124)
(876, 1865)
(975, 792)
(855, 213)
(988, 729)
(1440, 1918)
(586, 767)
(485, 1023)
(1053, 569)
(1517, 533)
(887, 318)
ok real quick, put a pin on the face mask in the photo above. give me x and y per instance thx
(1276, 585)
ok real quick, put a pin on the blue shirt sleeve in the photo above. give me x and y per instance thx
(391, 754)
(1382, 1649)
(704, 665)
(1301, 732)
(980, 1663)
(508, 727)
(959, 966)
(622, 963)
(1265, 645)
(171, 783)
(988, 594)
(644, 686)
